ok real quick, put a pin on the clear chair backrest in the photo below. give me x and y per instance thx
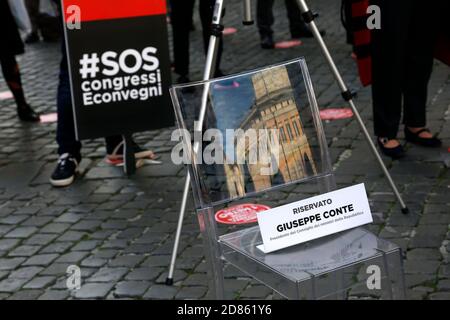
(261, 131)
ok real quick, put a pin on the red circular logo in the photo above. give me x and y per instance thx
(240, 214)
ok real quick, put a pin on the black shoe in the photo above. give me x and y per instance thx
(432, 142)
(26, 113)
(395, 153)
(305, 33)
(32, 38)
(65, 171)
(267, 42)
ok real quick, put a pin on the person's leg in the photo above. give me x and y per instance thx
(264, 17)
(419, 61)
(296, 24)
(388, 68)
(69, 149)
(181, 20)
(11, 74)
(33, 12)
(206, 14)
(65, 130)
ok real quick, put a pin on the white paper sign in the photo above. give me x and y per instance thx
(314, 218)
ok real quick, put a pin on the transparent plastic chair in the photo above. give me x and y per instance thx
(262, 145)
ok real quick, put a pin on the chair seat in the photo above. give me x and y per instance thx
(296, 272)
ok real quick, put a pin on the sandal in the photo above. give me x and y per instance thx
(414, 137)
(395, 153)
(116, 157)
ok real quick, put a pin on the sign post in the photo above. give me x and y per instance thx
(119, 67)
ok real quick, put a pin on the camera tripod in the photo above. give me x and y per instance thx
(216, 32)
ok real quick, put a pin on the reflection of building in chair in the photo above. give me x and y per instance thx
(235, 180)
(275, 108)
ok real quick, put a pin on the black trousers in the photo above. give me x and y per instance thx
(181, 18)
(33, 12)
(265, 20)
(402, 60)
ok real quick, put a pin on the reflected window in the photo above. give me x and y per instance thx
(283, 134)
(288, 126)
(297, 130)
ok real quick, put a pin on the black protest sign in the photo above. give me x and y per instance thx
(119, 65)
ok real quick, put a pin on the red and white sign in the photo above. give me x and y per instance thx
(240, 214)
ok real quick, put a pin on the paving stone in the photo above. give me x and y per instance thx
(10, 264)
(37, 221)
(31, 210)
(55, 228)
(423, 254)
(11, 285)
(57, 247)
(94, 291)
(106, 254)
(39, 282)
(191, 293)
(25, 273)
(68, 218)
(71, 236)
(8, 244)
(444, 271)
(54, 295)
(256, 292)
(156, 261)
(55, 269)
(3, 274)
(126, 261)
(162, 292)
(443, 285)
(196, 279)
(86, 245)
(131, 289)
(40, 239)
(26, 295)
(21, 232)
(414, 280)
(40, 260)
(440, 296)
(144, 274)
(88, 225)
(93, 262)
(24, 251)
(13, 219)
(5, 229)
(108, 275)
(72, 257)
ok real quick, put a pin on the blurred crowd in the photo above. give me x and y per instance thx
(389, 58)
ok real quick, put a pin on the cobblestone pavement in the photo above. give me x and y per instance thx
(120, 231)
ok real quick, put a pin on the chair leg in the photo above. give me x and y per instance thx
(212, 254)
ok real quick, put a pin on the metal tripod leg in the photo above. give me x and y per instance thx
(309, 17)
(209, 68)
